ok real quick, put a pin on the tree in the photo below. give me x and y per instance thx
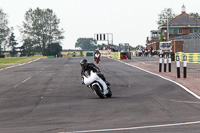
(41, 27)
(4, 29)
(86, 43)
(27, 48)
(54, 49)
(166, 14)
(196, 15)
(12, 44)
(162, 38)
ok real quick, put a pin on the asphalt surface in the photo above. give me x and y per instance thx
(47, 96)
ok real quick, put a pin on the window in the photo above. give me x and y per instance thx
(191, 30)
(155, 34)
(173, 30)
(180, 30)
(196, 29)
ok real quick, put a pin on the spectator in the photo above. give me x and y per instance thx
(146, 52)
(143, 52)
(74, 54)
(151, 51)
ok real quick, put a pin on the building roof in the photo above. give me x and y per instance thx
(195, 35)
(183, 20)
(155, 31)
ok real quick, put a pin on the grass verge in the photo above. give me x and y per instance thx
(12, 61)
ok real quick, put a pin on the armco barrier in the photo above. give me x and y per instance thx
(89, 54)
(121, 55)
(191, 57)
(2, 56)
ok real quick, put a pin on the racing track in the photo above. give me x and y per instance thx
(47, 96)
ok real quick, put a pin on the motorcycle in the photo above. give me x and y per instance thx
(97, 58)
(99, 87)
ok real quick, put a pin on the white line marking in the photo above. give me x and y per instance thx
(190, 102)
(134, 128)
(26, 79)
(23, 81)
(186, 89)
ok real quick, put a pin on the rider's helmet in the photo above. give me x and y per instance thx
(97, 51)
(83, 63)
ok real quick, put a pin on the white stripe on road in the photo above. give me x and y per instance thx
(23, 81)
(26, 79)
(134, 128)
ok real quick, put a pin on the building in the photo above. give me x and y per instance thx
(190, 43)
(181, 25)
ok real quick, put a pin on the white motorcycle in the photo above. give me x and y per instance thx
(93, 81)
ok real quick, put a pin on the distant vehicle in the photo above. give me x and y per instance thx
(165, 47)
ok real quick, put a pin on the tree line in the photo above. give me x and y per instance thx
(40, 33)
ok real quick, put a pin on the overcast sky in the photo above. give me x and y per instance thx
(130, 21)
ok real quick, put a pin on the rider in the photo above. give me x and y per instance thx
(90, 66)
(97, 54)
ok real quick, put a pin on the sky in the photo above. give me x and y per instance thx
(129, 21)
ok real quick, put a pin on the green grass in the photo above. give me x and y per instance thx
(11, 61)
(4, 66)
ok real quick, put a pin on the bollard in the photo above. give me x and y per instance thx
(178, 66)
(165, 63)
(185, 66)
(169, 63)
(160, 63)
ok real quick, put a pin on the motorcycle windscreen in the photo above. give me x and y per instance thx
(91, 78)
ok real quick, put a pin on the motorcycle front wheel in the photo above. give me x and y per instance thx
(109, 94)
(98, 91)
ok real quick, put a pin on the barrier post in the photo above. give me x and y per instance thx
(184, 66)
(165, 63)
(160, 63)
(178, 66)
(169, 63)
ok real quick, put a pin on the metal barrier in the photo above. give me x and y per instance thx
(89, 54)
(121, 55)
(191, 57)
(115, 55)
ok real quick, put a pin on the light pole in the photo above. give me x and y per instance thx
(168, 29)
